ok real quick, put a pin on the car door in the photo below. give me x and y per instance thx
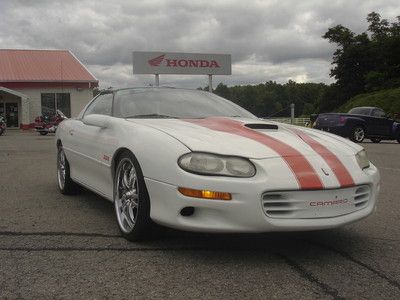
(93, 147)
(382, 124)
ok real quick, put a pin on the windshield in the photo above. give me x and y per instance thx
(174, 103)
(360, 111)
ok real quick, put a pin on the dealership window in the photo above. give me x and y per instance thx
(53, 101)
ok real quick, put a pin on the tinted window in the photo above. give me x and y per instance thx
(378, 113)
(48, 104)
(102, 105)
(360, 111)
(176, 103)
(51, 102)
(64, 103)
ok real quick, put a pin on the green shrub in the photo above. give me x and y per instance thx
(388, 100)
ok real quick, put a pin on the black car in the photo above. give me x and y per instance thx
(360, 123)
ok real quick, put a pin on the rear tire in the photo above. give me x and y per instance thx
(376, 140)
(357, 134)
(43, 132)
(65, 184)
(131, 200)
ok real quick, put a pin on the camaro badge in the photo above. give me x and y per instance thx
(325, 172)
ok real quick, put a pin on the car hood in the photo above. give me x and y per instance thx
(249, 138)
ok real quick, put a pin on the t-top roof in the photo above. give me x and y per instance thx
(42, 66)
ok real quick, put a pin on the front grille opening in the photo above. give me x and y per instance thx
(279, 213)
(275, 204)
(272, 197)
(362, 196)
(296, 204)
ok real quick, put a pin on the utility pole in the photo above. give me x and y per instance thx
(292, 113)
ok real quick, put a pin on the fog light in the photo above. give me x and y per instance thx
(187, 211)
(205, 194)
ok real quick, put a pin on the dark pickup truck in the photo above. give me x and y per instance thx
(360, 123)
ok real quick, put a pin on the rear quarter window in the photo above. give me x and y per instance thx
(360, 111)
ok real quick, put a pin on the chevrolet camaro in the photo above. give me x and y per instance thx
(194, 161)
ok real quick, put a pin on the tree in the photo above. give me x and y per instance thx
(365, 62)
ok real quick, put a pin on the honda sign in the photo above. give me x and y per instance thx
(181, 63)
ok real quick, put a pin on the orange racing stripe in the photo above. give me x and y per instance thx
(341, 173)
(305, 174)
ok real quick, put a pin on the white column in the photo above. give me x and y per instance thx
(25, 118)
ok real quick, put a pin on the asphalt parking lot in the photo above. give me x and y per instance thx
(55, 246)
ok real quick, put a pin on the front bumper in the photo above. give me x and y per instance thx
(246, 211)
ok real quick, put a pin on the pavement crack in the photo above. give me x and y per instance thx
(358, 262)
(120, 249)
(328, 290)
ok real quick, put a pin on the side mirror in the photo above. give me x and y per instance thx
(101, 121)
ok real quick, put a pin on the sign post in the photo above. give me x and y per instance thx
(181, 63)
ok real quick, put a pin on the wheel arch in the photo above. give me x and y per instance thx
(115, 158)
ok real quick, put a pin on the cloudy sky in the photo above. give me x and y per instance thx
(268, 40)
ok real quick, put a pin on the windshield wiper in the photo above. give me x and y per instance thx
(151, 116)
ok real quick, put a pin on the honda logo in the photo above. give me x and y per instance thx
(182, 63)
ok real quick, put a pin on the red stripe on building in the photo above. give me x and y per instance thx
(330, 158)
(305, 174)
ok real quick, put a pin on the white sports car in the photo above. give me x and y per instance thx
(192, 160)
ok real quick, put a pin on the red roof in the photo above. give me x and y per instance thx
(42, 66)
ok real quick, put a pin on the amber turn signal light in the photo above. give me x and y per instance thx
(204, 194)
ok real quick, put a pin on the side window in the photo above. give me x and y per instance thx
(102, 105)
(378, 113)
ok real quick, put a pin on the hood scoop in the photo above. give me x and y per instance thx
(262, 126)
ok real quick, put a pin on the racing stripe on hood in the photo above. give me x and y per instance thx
(305, 174)
(340, 171)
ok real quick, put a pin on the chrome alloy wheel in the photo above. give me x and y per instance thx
(359, 134)
(61, 168)
(126, 199)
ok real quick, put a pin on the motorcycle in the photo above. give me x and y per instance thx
(2, 125)
(47, 124)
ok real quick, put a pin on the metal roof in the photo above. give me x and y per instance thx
(42, 66)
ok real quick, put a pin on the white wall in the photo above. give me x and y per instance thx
(79, 98)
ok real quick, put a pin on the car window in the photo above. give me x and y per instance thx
(378, 113)
(102, 105)
(360, 111)
(173, 103)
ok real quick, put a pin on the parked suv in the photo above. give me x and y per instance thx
(359, 123)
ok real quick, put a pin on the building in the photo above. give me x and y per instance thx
(38, 82)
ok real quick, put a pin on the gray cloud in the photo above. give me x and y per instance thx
(268, 40)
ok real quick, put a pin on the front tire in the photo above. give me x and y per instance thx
(131, 199)
(65, 184)
(357, 134)
(43, 132)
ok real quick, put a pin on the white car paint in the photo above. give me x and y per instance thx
(158, 143)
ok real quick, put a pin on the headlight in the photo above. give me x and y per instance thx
(362, 159)
(212, 164)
